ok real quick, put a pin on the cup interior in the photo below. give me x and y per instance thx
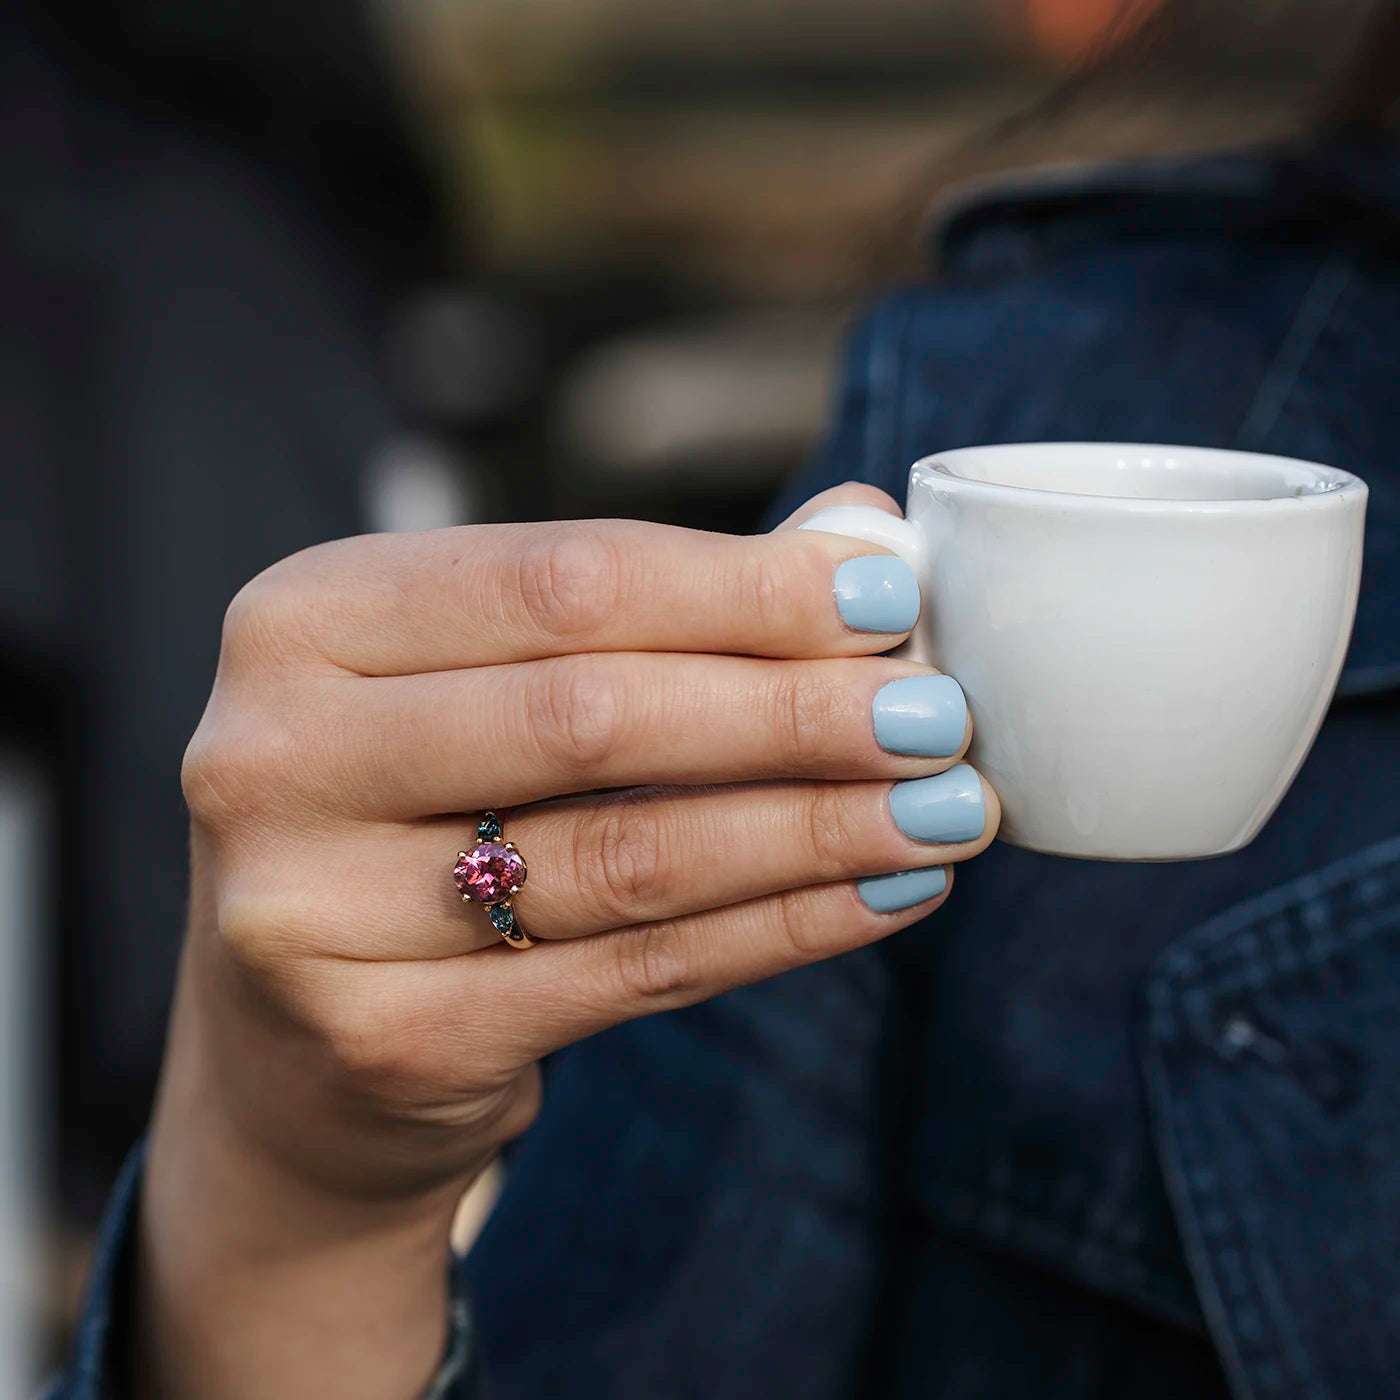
(1139, 471)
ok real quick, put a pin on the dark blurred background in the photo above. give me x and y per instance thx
(276, 274)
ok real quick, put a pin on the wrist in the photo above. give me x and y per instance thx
(257, 1275)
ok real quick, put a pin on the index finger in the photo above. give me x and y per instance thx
(487, 594)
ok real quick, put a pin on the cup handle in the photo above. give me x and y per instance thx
(899, 536)
(876, 526)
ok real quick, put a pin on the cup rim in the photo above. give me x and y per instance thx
(1335, 487)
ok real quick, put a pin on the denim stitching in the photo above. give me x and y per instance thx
(1358, 930)
(1266, 1284)
(1107, 1263)
(1189, 973)
(1316, 927)
(1215, 1259)
(961, 1197)
(1301, 924)
(1251, 1343)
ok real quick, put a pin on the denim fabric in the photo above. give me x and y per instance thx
(1269, 1045)
(97, 1343)
(1094, 1130)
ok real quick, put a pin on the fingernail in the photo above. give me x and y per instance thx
(887, 894)
(945, 807)
(922, 715)
(877, 593)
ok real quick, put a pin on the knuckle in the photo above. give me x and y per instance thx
(369, 1044)
(209, 796)
(767, 593)
(797, 926)
(621, 856)
(220, 780)
(265, 619)
(573, 706)
(652, 968)
(378, 1055)
(372, 1044)
(569, 582)
(834, 837)
(807, 711)
(232, 771)
(255, 935)
(244, 618)
(519, 1108)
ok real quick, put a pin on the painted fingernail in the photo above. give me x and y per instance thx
(888, 894)
(877, 593)
(922, 715)
(945, 807)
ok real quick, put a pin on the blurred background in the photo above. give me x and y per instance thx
(275, 274)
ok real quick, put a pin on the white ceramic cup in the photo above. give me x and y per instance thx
(1148, 636)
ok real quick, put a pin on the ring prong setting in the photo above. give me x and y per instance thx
(491, 873)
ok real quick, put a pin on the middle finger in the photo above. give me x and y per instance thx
(502, 736)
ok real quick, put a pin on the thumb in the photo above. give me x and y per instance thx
(849, 493)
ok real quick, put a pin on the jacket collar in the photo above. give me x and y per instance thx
(1350, 185)
(1345, 191)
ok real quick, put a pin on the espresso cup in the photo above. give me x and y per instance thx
(1148, 636)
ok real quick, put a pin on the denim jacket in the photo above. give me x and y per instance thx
(1093, 1130)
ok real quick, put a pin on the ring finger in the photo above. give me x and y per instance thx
(640, 857)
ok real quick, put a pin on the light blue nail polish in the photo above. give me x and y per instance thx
(922, 715)
(888, 894)
(877, 593)
(946, 807)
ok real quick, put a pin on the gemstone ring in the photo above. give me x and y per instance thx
(490, 874)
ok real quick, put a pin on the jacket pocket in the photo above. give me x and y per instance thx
(1271, 1049)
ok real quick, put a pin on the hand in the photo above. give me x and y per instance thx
(676, 729)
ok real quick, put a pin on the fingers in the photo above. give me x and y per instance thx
(406, 747)
(478, 1019)
(557, 993)
(483, 595)
(636, 858)
(596, 864)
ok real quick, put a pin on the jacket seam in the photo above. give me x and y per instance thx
(1358, 931)
(1184, 989)
(1129, 1274)
(1205, 1234)
(1206, 950)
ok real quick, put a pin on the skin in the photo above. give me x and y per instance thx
(350, 1047)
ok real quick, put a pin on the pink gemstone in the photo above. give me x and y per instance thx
(488, 872)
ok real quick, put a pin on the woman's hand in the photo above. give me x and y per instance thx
(677, 730)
